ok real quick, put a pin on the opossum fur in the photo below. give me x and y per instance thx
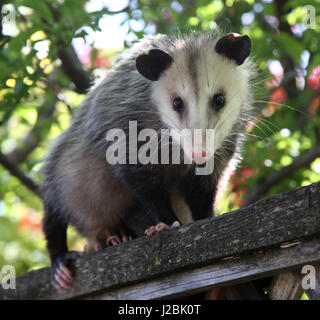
(102, 200)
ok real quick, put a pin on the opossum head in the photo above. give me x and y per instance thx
(199, 82)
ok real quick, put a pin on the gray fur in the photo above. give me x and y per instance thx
(79, 184)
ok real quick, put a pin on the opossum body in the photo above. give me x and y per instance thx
(190, 82)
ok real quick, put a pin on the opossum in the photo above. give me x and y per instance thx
(185, 82)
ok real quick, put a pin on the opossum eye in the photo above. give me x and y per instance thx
(178, 104)
(218, 101)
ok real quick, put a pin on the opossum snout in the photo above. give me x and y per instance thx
(199, 157)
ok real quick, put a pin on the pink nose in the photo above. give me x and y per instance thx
(195, 157)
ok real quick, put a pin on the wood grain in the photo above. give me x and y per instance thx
(286, 286)
(230, 273)
(265, 225)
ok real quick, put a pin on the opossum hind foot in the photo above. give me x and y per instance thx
(160, 226)
(115, 240)
(62, 271)
(123, 234)
(108, 238)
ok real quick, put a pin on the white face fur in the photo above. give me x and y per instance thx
(212, 74)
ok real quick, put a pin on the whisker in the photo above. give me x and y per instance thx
(206, 69)
(262, 121)
(246, 134)
(255, 125)
(284, 105)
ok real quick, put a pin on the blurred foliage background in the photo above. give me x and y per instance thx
(52, 50)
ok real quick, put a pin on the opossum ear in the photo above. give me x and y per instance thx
(234, 46)
(152, 63)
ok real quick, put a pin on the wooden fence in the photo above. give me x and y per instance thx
(256, 252)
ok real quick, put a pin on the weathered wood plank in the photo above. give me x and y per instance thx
(224, 273)
(265, 224)
(286, 286)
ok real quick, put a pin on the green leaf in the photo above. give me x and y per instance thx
(20, 88)
(41, 8)
(27, 112)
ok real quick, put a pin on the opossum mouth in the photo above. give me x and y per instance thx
(196, 157)
(199, 158)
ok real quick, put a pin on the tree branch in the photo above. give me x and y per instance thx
(34, 137)
(278, 175)
(18, 173)
(286, 61)
(71, 65)
(73, 68)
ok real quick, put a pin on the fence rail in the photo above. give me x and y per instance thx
(274, 238)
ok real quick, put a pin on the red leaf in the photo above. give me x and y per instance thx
(279, 95)
(315, 103)
(30, 221)
(167, 16)
(313, 80)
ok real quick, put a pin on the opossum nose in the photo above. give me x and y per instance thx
(204, 154)
(199, 157)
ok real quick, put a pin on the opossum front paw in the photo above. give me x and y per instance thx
(61, 270)
(159, 227)
(115, 240)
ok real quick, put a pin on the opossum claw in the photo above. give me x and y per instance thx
(113, 240)
(150, 231)
(126, 238)
(160, 226)
(61, 270)
(176, 224)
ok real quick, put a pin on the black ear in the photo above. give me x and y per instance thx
(235, 47)
(152, 63)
